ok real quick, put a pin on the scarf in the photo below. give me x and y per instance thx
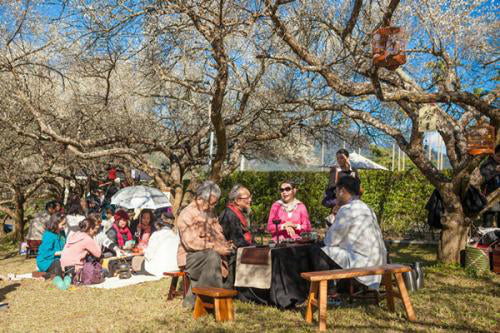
(289, 207)
(244, 222)
(120, 233)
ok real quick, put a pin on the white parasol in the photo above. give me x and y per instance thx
(143, 197)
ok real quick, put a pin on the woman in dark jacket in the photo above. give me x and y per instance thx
(342, 169)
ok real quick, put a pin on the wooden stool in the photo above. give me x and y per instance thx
(319, 284)
(221, 300)
(172, 292)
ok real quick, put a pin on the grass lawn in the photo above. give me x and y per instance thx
(450, 301)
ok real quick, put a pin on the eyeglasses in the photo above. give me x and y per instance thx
(285, 189)
(245, 198)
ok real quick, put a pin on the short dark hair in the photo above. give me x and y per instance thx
(343, 152)
(288, 181)
(87, 223)
(50, 205)
(53, 223)
(75, 208)
(351, 184)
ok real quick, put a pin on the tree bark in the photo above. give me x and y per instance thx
(455, 230)
(19, 218)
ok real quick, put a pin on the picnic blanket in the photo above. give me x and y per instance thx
(115, 282)
(17, 277)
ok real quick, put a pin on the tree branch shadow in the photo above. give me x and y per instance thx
(5, 290)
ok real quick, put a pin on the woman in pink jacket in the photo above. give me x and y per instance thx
(291, 214)
(81, 243)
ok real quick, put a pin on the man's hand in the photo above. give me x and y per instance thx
(223, 249)
(119, 252)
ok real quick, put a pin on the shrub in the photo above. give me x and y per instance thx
(397, 198)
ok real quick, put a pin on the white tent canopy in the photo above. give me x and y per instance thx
(360, 162)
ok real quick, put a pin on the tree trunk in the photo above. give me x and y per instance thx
(19, 218)
(455, 230)
(178, 195)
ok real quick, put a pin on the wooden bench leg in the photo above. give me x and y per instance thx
(405, 297)
(312, 301)
(323, 287)
(185, 285)
(388, 290)
(199, 309)
(173, 288)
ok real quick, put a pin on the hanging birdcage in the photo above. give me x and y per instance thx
(481, 139)
(388, 47)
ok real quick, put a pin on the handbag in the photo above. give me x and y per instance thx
(91, 273)
(474, 201)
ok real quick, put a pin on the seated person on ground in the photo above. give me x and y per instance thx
(101, 237)
(53, 241)
(233, 218)
(355, 240)
(80, 244)
(75, 213)
(58, 207)
(119, 233)
(291, 213)
(107, 215)
(38, 225)
(142, 228)
(203, 250)
(161, 253)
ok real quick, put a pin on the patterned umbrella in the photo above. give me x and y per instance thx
(140, 197)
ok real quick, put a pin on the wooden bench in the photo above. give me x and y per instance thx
(172, 292)
(319, 283)
(218, 299)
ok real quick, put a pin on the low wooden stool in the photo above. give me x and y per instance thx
(172, 292)
(219, 299)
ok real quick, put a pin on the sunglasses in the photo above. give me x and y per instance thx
(285, 189)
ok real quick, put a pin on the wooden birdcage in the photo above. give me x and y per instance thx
(481, 139)
(388, 47)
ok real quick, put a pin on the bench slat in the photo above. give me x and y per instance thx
(337, 274)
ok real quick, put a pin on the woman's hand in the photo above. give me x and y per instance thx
(290, 231)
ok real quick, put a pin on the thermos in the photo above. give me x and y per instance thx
(414, 279)
(419, 275)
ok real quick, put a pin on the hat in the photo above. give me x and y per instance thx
(121, 214)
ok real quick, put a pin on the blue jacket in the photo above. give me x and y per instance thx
(51, 243)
